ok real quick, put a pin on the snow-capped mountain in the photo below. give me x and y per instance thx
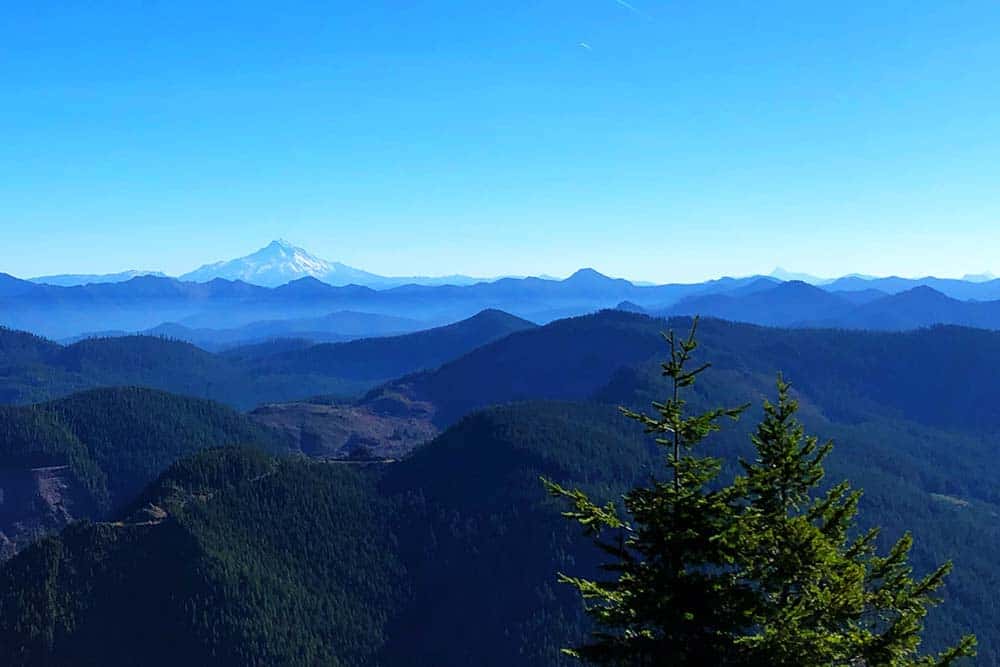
(281, 262)
(278, 263)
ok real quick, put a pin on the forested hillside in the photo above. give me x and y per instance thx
(91, 453)
(449, 555)
(33, 369)
(259, 561)
(45, 370)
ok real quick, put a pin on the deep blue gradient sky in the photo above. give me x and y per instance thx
(681, 140)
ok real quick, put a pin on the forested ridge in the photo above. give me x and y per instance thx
(33, 369)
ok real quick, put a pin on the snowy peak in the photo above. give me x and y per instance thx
(279, 263)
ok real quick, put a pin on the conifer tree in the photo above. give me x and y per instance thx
(755, 573)
(825, 596)
(674, 591)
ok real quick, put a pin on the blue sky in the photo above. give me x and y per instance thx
(653, 140)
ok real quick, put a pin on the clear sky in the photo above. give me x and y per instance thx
(649, 139)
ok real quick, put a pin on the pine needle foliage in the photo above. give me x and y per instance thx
(673, 588)
(763, 571)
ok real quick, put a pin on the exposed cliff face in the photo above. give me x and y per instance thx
(36, 502)
(386, 429)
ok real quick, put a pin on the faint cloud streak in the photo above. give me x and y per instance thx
(629, 6)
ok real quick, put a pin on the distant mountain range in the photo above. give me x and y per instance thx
(146, 302)
(281, 262)
(798, 304)
(283, 291)
(72, 279)
(278, 263)
(330, 328)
